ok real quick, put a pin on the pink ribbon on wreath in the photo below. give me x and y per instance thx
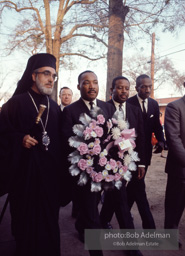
(110, 145)
(128, 133)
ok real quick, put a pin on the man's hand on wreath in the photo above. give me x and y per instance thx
(141, 172)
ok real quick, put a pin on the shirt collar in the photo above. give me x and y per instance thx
(62, 107)
(87, 103)
(141, 103)
(140, 99)
(117, 105)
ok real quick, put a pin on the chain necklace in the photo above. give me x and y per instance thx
(45, 137)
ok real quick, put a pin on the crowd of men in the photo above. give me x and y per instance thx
(34, 149)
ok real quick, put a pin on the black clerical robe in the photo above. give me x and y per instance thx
(34, 174)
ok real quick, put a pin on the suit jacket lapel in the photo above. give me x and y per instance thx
(83, 106)
(149, 108)
(112, 102)
(127, 111)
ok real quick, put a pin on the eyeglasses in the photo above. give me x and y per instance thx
(48, 74)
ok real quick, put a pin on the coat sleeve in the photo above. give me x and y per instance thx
(173, 119)
(10, 146)
(158, 130)
(140, 140)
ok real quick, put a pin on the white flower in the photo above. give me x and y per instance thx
(78, 129)
(134, 156)
(132, 166)
(121, 172)
(91, 145)
(108, 167)
(122, 124)
(115, 133)
(103, 153)
(93, 134)
(115, 170)
(130, 150)
(127, 176)
(74, 170)
(90, 162)
(105, 173)
(95, 187)
(118, 184)
(127, 160)
(83, 179)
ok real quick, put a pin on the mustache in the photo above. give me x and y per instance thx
(92, 90)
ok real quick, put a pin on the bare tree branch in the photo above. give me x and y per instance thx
(82, 55)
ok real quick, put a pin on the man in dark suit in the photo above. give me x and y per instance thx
(175, 164)
(65, 96)
(88, 217)
(116, 200)
(150, 112)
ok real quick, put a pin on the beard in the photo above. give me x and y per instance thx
(43, 90)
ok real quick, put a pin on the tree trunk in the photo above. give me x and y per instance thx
(117, 14)
(152, 65)
(56, 52)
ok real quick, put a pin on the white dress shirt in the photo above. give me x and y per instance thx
(141, 103)
(88, 105)
(117, 105)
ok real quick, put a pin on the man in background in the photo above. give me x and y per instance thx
(150, 113)
(175, 164)
(65, 96)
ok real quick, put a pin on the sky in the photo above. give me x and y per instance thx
(12, 67)
(171, 46)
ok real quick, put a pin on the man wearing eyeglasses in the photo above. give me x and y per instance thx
(32, 152)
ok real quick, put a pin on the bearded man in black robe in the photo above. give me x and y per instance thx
(33, 152)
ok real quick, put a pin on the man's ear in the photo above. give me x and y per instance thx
(34, 77)
(136, 88)
(78, 87)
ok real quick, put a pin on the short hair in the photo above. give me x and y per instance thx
(65, 87)
(118, 78)
(86, 71)
(139, 78)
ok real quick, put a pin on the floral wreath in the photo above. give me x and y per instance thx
(104, 150)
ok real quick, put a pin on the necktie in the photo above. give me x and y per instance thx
(144, 109)
(91, 105)
(121, 109)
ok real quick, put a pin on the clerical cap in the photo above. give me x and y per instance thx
(36, 61)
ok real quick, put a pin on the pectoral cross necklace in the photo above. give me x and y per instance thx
(45, 137)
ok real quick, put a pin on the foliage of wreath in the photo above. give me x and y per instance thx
(104, 150)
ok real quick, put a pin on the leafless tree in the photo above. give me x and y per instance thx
(69, 28)
(165, 72)
(56, 26)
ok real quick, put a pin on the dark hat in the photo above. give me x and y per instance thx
(36, 61)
